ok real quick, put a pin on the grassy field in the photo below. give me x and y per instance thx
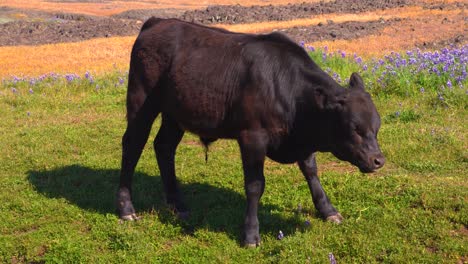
(60, 156)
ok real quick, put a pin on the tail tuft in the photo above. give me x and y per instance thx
(206, 143)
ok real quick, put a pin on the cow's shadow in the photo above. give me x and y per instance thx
(215, 208)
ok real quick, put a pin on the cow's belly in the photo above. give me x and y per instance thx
(202, 114)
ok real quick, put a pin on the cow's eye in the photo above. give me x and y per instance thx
(358, 130)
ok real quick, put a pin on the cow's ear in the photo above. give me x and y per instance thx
(356, 82)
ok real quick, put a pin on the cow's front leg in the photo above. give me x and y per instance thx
(253, 150)
(319, 197)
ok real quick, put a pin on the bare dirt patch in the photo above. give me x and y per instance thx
(38, 27)
(59, 30)
(241, 14)
(111, 7)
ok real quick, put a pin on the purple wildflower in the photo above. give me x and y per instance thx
(446, 68)
(307, 223)
(42, 77)
(311, 48)
(325, 49)
(301, 43)
(280, 235)
(364, 67)
(337, 77)
(13, 90)
(70, 77)
(397, 113)
(439, 95)
(359, 60)
(121, 80)
(31, 91)
(449, 84)
(343, 54)
(331, 258)
(28, 113)
(422, 90)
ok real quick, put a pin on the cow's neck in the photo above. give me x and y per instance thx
(317, 117)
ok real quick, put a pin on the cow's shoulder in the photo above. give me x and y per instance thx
(175, 24)
(150, 23)
(276, 37)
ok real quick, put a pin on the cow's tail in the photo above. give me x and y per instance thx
(206, 143)
(150, 22)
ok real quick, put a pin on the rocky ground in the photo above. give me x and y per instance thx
(27, 27)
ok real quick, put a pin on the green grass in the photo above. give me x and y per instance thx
(59, 168)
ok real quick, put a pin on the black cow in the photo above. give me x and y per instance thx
(262, 90)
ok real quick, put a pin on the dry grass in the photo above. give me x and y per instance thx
(402, 36)
(106, 8)
(97, 55)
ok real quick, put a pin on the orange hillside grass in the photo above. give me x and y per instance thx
(96, 55)
(107, 8)
(403, 36)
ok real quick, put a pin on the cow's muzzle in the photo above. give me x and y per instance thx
(374, 163)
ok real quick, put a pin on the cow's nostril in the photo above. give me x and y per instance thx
(379, 162)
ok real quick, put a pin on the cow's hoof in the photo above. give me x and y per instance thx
(252, 242)
(251, 245)
(337, 218)
(130, 217)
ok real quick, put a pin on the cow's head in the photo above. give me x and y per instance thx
(354, 125)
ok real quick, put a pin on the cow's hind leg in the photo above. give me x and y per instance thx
(165, 145)
(142, 109)
(319, 197)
